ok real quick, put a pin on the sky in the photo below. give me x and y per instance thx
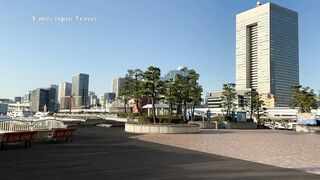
(129, 34)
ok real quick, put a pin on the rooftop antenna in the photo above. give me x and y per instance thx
(258, 3)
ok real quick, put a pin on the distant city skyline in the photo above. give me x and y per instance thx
(199, 34)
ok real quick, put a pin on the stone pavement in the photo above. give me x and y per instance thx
(285, 149)
(109, 153)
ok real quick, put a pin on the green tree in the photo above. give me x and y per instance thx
(228, 96)
(153, 86)
(186, 87)
(254, 103)
(304, 98)
(195, 97)
(125, 92)
(136, 86)
(169, 92)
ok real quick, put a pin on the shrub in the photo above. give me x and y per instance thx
(197, 118)
(122, 114)
(218, 118)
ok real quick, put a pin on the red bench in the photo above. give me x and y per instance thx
(18, 137)
(60, 134)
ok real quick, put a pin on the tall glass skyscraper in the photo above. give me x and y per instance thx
(267, 51)
(80, 90)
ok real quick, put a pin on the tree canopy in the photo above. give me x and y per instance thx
(304, 98)
(228, 96)
(254, 103)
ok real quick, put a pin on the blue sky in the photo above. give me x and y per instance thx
(128, 34)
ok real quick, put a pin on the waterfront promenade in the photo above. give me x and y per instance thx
(286, 149)
(111, 153)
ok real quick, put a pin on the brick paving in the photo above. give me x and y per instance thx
(285, 149)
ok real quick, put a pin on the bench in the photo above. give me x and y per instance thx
(60, 134)
(17, 137)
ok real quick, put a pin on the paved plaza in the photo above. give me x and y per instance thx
(278, 148)
(110, 153)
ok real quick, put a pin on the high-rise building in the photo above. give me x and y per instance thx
(52, 98)
(109, 97)
(93, 99)
(64, 95)
(267, 51)
(116, 85)
(80, 90)
(182, 70)
(43, 100)
(27, 97)
(56, 94)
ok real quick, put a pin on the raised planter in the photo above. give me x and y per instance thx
(204, 124)
(237, 125)
(304, 128)
(162, 128)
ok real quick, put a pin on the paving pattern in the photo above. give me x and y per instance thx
(110, 153)
(278, 148)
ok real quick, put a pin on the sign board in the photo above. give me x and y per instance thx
(307, 118)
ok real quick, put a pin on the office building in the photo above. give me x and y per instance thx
(80, 90)
(5, 101)
(17, 99)
(116, 85)
(56, 87)
(93, 99)
(267, 51)
(3, 108)
(214, 99)
(109, 97)
(26, 97)
(182, 70)
(43, 99)
(64, 95)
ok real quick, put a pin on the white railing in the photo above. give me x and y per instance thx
(21, 125)
(15, 125)
(47, 124)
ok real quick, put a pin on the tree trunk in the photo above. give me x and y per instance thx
(153, 110)
(178, 109)
(184, 111)
(139, 110)
(125, 106)
(170, 108)
(192, 110)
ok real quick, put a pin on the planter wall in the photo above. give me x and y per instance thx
(304, 128)
(237, 125)
(162, 128)
(204, 124)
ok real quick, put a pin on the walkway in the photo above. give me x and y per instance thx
(110, 153)
(278, 148)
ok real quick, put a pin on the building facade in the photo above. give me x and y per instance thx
(182, 70)
(116, 85)
(80, 90)
(3, 108)
(65, 89)
(43, 100)
(27, 97)
(267, 51)
(110, 97)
